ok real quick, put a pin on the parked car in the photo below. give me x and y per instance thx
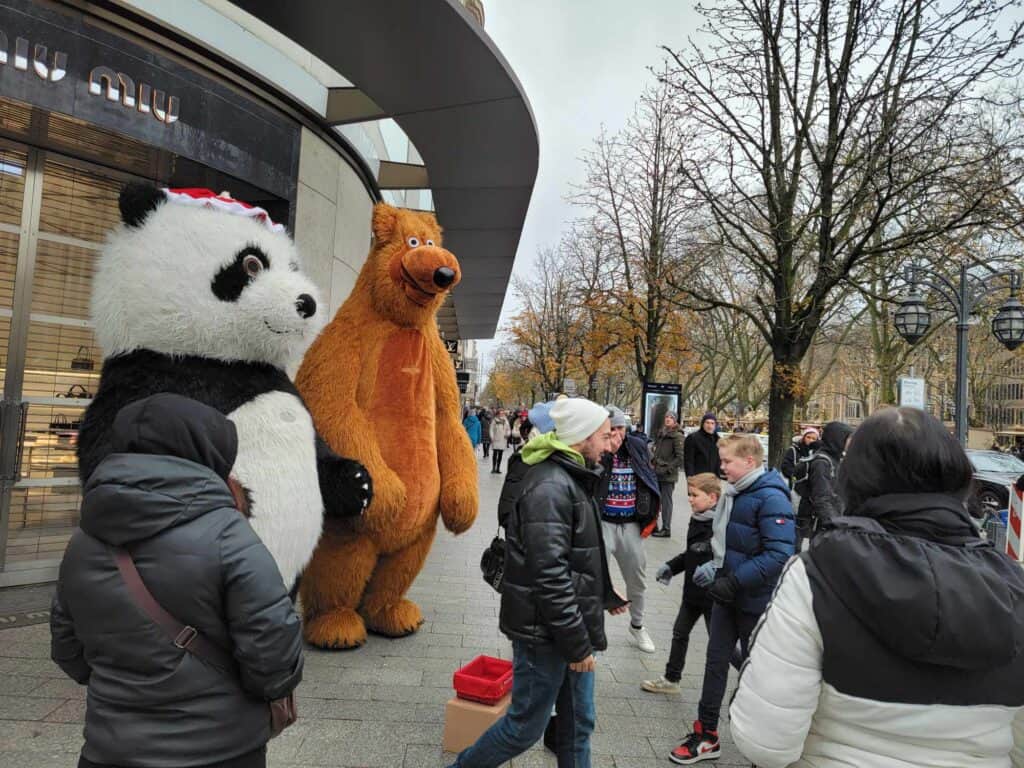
(994, 473)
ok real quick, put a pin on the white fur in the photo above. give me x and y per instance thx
(153, 290)
(277, 464)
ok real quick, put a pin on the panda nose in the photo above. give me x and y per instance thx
(443, 277)
(305, 305)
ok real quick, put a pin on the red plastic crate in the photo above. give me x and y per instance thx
(485, 680)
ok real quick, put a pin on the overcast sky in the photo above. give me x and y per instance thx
(582, 63)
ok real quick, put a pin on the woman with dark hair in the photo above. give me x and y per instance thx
(898, 638)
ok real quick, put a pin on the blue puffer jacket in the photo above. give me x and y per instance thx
(759, 540)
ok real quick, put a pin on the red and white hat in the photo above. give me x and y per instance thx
(207, 198)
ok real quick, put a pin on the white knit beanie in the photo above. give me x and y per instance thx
(576, 419)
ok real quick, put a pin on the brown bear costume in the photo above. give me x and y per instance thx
(382, 389)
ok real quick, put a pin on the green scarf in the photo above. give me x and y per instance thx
(542, 446)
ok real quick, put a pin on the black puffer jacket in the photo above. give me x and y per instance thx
(819, 498)
(161, 495)
(556, 585)
(698, 552)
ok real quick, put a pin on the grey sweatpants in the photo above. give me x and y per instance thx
(623, 543)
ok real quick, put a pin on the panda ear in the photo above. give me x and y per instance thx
(384, 219)
(139, 199)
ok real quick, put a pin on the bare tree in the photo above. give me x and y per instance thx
(830, 135)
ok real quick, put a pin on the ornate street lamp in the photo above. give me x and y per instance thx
(913, 319)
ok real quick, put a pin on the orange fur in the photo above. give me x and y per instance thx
(381, 389)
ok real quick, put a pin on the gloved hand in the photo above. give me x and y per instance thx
(724, 590)
(704, 574)
(664, 574)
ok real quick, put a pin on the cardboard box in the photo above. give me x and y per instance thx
(466, 721)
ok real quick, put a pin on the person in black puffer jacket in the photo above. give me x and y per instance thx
(163, 494)
(819, 497)
(703, 491)
(700, 449)
(556, 586)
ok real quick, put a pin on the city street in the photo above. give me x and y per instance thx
(383, 705)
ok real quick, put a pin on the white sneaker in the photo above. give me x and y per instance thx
(642, 639)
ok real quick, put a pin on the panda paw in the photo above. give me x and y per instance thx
(346, 487)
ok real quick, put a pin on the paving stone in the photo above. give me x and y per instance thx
(27, 708)
(71, 711)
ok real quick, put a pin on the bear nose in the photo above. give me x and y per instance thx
(306, 305)
(443, 277)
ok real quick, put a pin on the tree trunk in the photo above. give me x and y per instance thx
(781, 406)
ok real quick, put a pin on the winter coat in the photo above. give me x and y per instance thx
(698, 552)
(472, 425)
(556, 586)
(897, 640)
(669, 449)
(648, 495)
(794, 454)
(515, 471)
(485, 428)
(760, 539)
(150, 703)
(500, 431)
(819, 498)
(700, 454)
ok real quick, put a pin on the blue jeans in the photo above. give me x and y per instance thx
(538, 671)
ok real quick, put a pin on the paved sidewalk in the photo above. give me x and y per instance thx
(383, 705)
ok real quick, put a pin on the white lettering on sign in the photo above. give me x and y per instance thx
(118, 87)
(49, 69)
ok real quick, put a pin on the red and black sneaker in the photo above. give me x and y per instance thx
(699, 745)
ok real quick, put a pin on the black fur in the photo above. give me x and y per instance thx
(221, 385)
(232, 279)
(138, 199)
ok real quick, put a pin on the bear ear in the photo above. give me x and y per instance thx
(385, 217)
(138, 199)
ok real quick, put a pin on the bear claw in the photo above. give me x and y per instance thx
(339, 629)
(398, 620)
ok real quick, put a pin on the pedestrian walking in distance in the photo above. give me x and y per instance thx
(700, 451)
(752, 538)
(629, 498)
(897, 639)
(165, 497)
(669, 448)
(472, 426)
(500, 431)
(703, 492)
(819, 496)
(556, 589)
(796, 458)
(485, 430)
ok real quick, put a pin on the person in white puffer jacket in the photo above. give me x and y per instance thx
(897, 641)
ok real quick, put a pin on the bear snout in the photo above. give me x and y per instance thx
(305, 305)
(431, 269)
(444, 276)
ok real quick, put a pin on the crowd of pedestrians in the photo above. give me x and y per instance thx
(871, 625)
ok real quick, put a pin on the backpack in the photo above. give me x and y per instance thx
(803, 469)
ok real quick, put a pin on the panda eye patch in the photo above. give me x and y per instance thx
(232, 279)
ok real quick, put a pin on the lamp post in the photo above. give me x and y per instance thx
(913, 319)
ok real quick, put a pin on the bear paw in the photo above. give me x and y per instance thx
(338, 629)
(345, 485)
(398, 620)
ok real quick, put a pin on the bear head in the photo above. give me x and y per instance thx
(189, 275)
(408, 270)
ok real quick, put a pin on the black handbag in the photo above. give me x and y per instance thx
(492, 563)
(77, 391)
(81, 361)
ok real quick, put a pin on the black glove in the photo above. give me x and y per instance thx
(724, 589)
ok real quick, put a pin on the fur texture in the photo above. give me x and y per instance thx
(213, 306)
(381, 388)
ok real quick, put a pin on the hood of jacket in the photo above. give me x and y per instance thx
(834, 437)
(770, 479)
(170, 460)
(920, 580)
(543, 445)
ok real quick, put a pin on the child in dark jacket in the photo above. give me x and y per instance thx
(703, 491)
(165, 496)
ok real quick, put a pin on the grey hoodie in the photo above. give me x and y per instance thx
(162, 496)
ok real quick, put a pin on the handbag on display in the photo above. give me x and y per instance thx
(81, 361)
(63, 426)
(76, 391)
(283, 712)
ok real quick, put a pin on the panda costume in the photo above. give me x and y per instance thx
(202, 296)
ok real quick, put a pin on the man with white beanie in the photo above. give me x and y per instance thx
(556, 588)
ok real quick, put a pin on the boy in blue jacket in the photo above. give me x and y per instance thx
(753, 536)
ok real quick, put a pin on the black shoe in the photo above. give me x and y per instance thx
(661, 533)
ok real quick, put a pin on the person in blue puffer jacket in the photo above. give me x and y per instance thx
(754, 535)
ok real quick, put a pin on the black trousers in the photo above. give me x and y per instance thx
(728, 624)
(487, 448)
(688, 616)
(805, 530)
(496, 459)
(255, 759)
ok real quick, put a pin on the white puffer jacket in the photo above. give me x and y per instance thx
(788, 712)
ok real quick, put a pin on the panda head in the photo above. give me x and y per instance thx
(190, 276)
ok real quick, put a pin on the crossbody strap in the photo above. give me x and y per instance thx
(183, 636)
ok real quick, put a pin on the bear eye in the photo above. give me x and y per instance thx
(252, 265)
(413, 242)
(430, 242)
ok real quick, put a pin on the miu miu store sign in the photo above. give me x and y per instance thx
(114, 86)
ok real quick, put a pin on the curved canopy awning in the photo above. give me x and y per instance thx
(428, 65)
